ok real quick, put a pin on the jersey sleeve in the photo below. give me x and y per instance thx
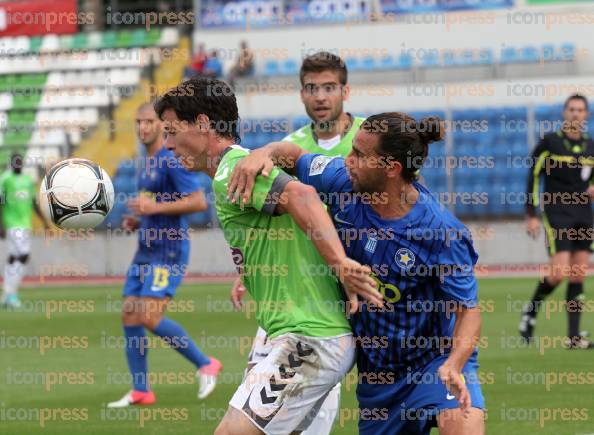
(267, 191)
(456, 261)
(327, 174)
(538, 157)
(185, 182)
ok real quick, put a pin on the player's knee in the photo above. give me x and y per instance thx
(23, 258)
(222, 429)
(150, 320)
(11, 259)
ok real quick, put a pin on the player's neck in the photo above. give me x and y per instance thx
(216, 147)
(572, 133)
(401, 199)
(153, 148)
(336, 127)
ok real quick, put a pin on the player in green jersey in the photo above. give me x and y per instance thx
(17, 203)
(324, 89)
(285, 246)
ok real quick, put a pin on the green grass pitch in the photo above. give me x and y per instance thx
(61, 361)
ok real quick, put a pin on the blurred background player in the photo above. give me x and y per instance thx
(167, 192)
(244, 65)
(17, 203)
(324, 89)
(564, 160)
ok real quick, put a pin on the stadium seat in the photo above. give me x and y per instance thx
(169, 37)
(405, 61)
(352, 63)
(387, 62)
(271, 68)
(509, 55)
(50, 43)
(289, 67)
(567, 52)
(529, 54)
(368, 64)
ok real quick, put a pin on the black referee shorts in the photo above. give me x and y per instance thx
(568, 232)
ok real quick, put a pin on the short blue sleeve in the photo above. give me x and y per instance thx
(184, 181)
(327, 174)
(457, 260)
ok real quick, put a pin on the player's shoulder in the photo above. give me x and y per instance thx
(437, 216)
(299, 135)
(229, 159)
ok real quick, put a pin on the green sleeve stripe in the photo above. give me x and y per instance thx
(536, 175)
(550, 235)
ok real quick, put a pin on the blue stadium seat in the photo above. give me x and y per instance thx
(271, 68)
(405, 61)
(387, 62)
(352, 63)
(567, 52)
(430, 59)
(368, 64)
(289, 67)
(509, 55)
(548, 52)
(529, 54)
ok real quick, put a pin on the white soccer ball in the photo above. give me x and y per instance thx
(76, 194)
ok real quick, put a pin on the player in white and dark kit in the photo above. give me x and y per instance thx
(324, 89)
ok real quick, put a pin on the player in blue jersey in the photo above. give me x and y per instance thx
(167, 192)
(417, 356)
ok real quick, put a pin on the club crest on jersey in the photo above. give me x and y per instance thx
(318, 164)
(404, 258)
(371, 245)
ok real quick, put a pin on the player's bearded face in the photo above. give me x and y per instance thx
(322, 96)
(364, 164)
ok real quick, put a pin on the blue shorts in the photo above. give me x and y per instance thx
(153, 280)
(410, 405)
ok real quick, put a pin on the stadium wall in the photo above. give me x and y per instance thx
(109, 254)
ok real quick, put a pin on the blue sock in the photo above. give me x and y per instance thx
(178, 339)
(136, 353)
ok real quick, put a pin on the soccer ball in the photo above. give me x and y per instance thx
(76, 194)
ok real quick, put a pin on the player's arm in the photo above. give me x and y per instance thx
(193, 202)
(458, 284)
(538, 158)
(304, 206)
(187, 197)
(261, 161)
(40, 214)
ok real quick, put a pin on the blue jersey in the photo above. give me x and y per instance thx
(164, 239)
(423, 263)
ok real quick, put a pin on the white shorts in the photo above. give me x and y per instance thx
(282, 392)
(18, 241)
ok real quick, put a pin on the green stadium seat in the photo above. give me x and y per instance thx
(153, 37)
(35, 44)
(124, 39)
(140, 38)
(109, 39)
(66, 42)
(94, 41)
(15, 138)
(79, 42)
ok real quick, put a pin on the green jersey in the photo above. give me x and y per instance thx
(306, 139)
(17, 193)
(293, 289)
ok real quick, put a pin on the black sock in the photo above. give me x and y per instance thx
(574, 308)
(543, 289)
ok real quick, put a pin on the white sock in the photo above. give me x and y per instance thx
(13, 275)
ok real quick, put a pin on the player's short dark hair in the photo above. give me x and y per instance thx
(17, 161)
(324, 61)
(576, 97)
(404, 139)
(203, 96)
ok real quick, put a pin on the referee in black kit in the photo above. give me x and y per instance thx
(564, 161)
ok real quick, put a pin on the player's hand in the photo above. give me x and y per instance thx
(237, 294)
(591, 191)
(454, 381)
(130, 223)
(241, 182)
(533, 227)
(143, 206)
(357, 281)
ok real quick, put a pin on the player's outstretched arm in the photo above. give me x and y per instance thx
(194, 202)
(304, 205)
(467, 331)
(261, 161)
